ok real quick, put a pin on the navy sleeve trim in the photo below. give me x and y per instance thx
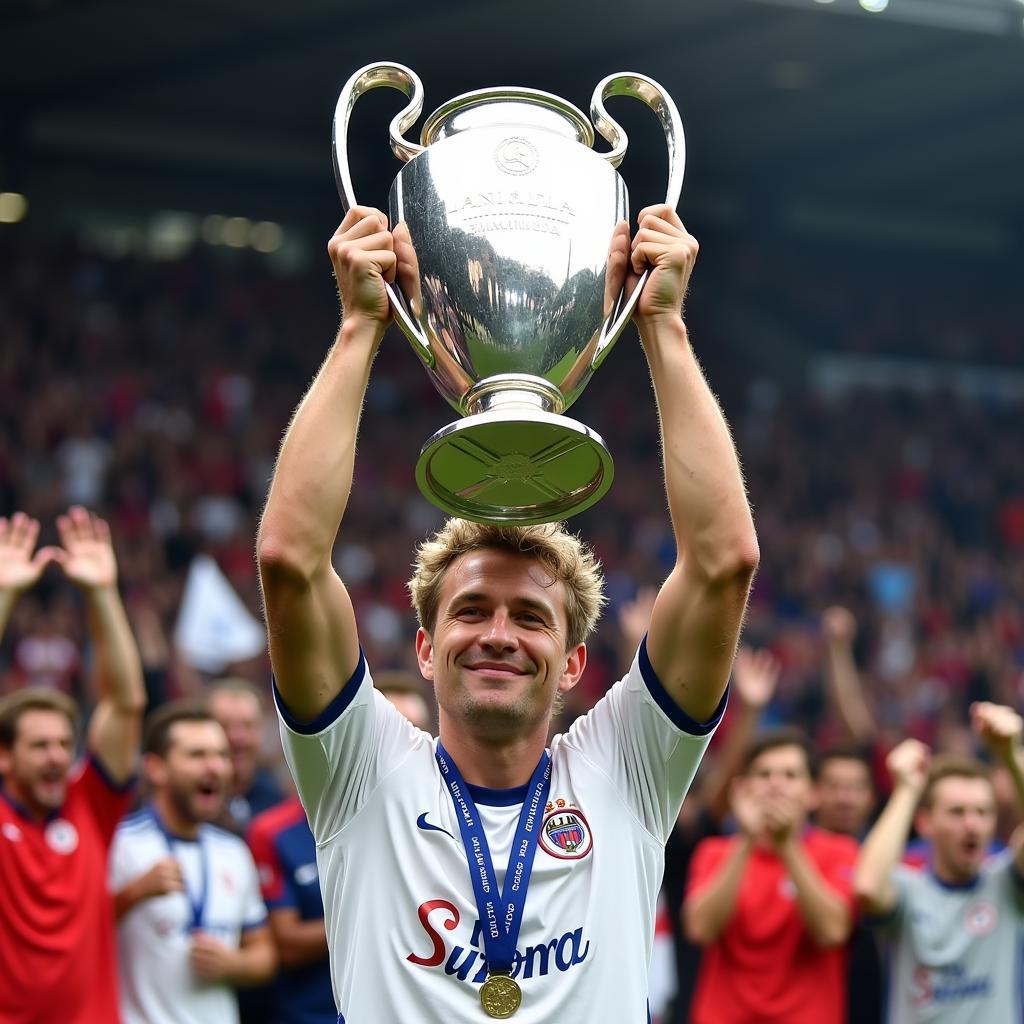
(332, 712)
(101, 771)
(679, 718)
(253, 925)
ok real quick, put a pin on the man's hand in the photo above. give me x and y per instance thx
(86, 555)
(754, 676)
(781, 816)
(908, 765)
(663, 246)
(19, 567)
(363, 253)
(210, 959)
(999, 728)
(838, 625)
(162, 878)
(746, 809)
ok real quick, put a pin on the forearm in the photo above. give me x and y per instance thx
(252, 965)
(301, 942)
(7, 599)
(882, 850)
(729, 761)
(118, 671)
(824, 912)
(706, 495)
(313, 476)
(707, 911)
(127, 898)
(845, 688)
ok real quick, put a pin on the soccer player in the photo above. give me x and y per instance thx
(285, 853)
(485, 874)
(773, 905)
(57, 818)
(956, 924)
(191, 923)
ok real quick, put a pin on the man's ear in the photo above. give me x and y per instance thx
(154, 769)
(576, 662)
(425, 653)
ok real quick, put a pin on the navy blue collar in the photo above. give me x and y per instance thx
(498, 797)
(971, 883)
(22, 811)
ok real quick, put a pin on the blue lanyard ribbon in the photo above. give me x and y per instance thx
(501, 914)
(197, 905)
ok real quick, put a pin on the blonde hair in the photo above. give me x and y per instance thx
(562, 554)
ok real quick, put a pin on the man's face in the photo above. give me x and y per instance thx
(782, 773)
(497, 653)
(846, 796)
(241, 717)
(36, 767)
(960, 824)
(196, 773)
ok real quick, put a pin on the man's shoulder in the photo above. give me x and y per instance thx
(218, 838)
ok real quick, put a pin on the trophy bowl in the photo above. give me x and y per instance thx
(512, 242)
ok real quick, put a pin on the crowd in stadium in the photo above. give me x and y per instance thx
(886, 624)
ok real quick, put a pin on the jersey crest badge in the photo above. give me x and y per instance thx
(61, 836)
(980, 918)
(565, 834)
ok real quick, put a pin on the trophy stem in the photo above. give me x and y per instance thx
(508, 391)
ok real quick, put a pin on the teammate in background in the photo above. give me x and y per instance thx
(955, 926)
(773, 905)
(238, 705)
(191, 924)
(57, 819)
(504, 613)
(843, 685)
(285, 853)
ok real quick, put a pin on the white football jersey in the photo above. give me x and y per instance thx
(157, 985)
(401, 917)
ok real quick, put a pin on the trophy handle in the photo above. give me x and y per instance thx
(650, 92)
(405, 80)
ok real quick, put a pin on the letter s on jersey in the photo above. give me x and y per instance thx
(437, 953)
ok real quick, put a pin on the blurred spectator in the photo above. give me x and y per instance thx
(285, 854)
(191, 923)
(56, 822)
(238, 705)
(773, 905)
(955, 926)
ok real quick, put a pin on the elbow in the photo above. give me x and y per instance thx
(734, 564)
(832, 934)
(281, 564)
(696, 931)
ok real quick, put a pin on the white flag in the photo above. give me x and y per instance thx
(214, 626)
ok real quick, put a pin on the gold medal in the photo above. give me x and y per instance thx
(500, 996)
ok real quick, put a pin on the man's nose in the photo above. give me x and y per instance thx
(499, 631)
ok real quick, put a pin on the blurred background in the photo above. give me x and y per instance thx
(854, 178)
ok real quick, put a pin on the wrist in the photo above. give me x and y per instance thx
(667, 327)
(359, 329)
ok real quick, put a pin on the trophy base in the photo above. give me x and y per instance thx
(514, 467)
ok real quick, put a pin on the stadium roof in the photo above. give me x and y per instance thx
(811, 115)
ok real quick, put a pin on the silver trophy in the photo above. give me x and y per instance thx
(513, 239)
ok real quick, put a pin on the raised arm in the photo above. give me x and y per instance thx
(842, 680)
(999, 728)
(314, 646)
(699, 610)
(872, 881)
(87, 558)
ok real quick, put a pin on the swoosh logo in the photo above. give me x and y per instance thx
(421, 822)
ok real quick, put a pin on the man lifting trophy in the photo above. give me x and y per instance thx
(496, 872)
